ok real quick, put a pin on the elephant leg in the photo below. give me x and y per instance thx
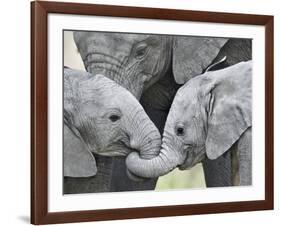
(218, 172)
(99, 183)
(244, 150)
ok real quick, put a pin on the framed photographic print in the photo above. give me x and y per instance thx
(147, 112)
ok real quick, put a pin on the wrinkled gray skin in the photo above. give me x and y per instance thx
(103, 118)
(210, 114)
(153, 67)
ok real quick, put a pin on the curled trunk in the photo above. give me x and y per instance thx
(160, 165)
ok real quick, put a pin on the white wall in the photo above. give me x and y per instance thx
(14, 88)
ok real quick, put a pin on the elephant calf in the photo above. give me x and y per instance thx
(104, 118)
(210, 115)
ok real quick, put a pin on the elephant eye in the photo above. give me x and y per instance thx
(114, 118)
(179, 131)
(141, 50)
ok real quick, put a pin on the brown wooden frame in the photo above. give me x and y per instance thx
(39, 107)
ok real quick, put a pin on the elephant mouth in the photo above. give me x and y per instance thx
(193, 156)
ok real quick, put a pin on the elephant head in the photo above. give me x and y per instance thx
(208, 115)
(136, 61)
(104, 118)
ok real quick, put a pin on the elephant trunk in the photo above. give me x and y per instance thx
(144, 136)
(166, 161)
(99, 63)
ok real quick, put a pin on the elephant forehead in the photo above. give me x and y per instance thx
(184, 107)
(179, 110)
(96, 87)
(92, 92)
(90, 41)
(186, 96)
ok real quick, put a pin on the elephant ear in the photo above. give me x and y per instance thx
(77, 160)
(191, 55)
(229, 114)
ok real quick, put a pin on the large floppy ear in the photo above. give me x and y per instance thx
(77, 160)
(229, 113)
(191, 55)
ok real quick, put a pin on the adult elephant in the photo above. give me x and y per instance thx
(152, 68)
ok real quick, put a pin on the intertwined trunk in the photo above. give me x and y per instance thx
(168, 159)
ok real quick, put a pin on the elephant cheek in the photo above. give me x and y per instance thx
(193, 156)
(188, 161)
